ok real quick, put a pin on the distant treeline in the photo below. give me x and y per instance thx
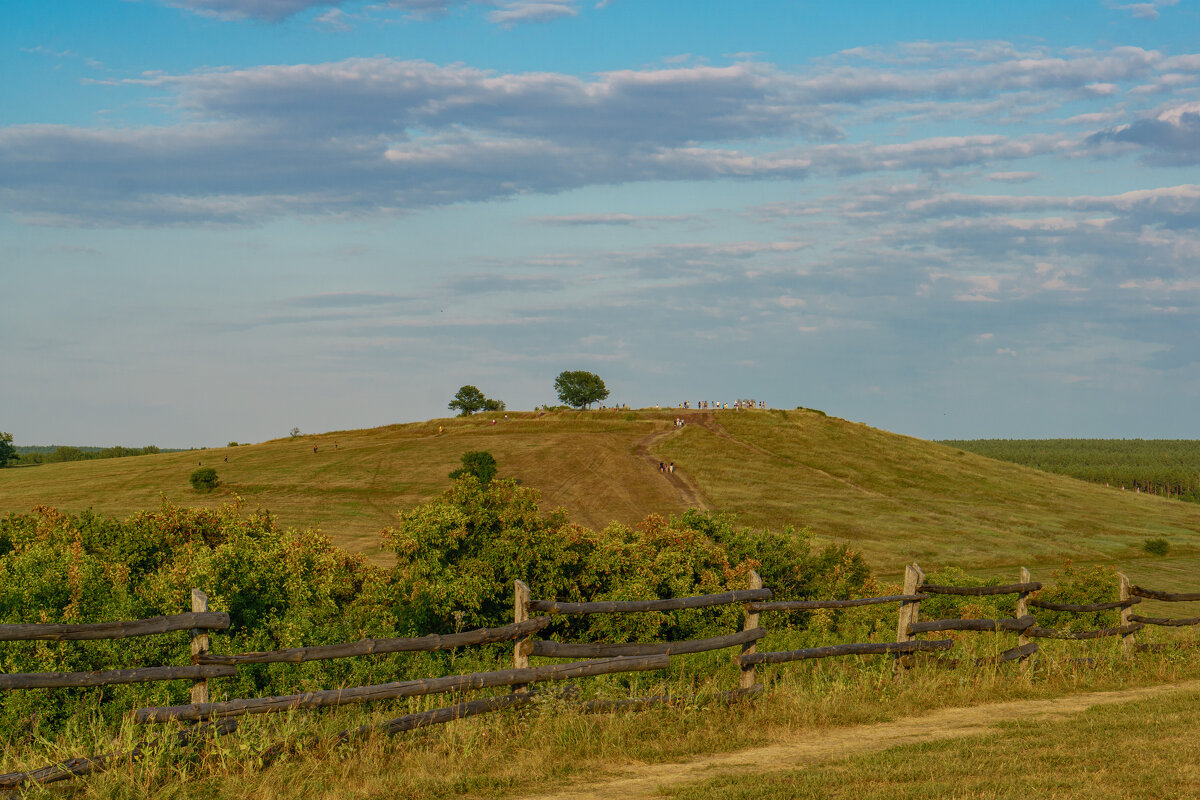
(54, 454)
(1168, 467)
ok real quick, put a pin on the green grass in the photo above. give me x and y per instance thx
(895, 498)
(552, 743)
(1142, 749)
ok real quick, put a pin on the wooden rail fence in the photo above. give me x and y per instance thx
(601, 657)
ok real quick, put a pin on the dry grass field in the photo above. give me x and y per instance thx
(894, 497)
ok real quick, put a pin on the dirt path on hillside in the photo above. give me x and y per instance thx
(688, 488)
(811, 747)
(683, 483)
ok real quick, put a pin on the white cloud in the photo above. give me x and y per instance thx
(1014, 177)
(380, 135)
(518, 11)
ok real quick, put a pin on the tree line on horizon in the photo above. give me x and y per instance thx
(54, 454)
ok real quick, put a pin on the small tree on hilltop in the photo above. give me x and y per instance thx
(469, 399)
(579, 389)
(204, 479)
(478, 463)
(7, 451)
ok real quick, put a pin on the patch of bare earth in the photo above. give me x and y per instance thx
(649, 780)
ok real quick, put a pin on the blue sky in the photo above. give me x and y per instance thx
(223, 218)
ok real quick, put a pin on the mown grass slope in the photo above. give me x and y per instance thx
(894, 497)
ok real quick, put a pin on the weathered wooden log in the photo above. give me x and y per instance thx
(629, 606)
(366, 647)
(605, 705)
(1046, 604)
(807, 605)
(439, 716)
(607, 650)
(109, 677)
(1172, 623)
(980, 591)
(862, 649)
(1154, 594)
(209, 620)
(397, 689)
(87, 765)
(931, 625)
(1050, 633)
(1013, 653)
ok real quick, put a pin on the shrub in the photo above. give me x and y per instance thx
(479, 464)
(1156, 547)
(204, 479)
(281, 588)
(457, 558)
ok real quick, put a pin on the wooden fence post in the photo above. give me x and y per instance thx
(1124, 594)
(520, 614)
(910, 610)
(200, 645)
(1022, 610)
(746, 681)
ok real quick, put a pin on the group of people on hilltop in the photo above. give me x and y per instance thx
(666, 468)
(737, 405)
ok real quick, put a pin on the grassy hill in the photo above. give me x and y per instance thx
(894, 497)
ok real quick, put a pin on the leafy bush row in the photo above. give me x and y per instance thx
(456, 559)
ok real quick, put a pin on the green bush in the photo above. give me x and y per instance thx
(457, 558)
(1156, 547)
(477, 463)
(280, 588)
(204, 479)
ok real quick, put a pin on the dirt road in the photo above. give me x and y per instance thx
(646, 781)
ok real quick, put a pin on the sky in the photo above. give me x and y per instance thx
(221, 219)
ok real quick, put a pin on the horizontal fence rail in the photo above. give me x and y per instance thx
(207, 620)
(1050, 633)
(110, 677)
(810, 605)
(439, 716)
(632, 606)
(1154, 594)
(1085, 607)
(979, 591)
(1173, 623)
(1013, 653)
(398, 689)
(365, 647)
(604, 649)
(932, 625)
(86, 765)
(858, 649)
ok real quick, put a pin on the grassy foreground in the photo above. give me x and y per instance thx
(553, 744)
(1142, 749)
(894, 498)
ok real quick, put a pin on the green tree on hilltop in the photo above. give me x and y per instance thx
(579, 389)
(469, 399)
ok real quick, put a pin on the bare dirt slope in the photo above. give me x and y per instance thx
(649, 781)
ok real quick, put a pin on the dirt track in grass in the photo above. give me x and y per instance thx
(812, 747)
